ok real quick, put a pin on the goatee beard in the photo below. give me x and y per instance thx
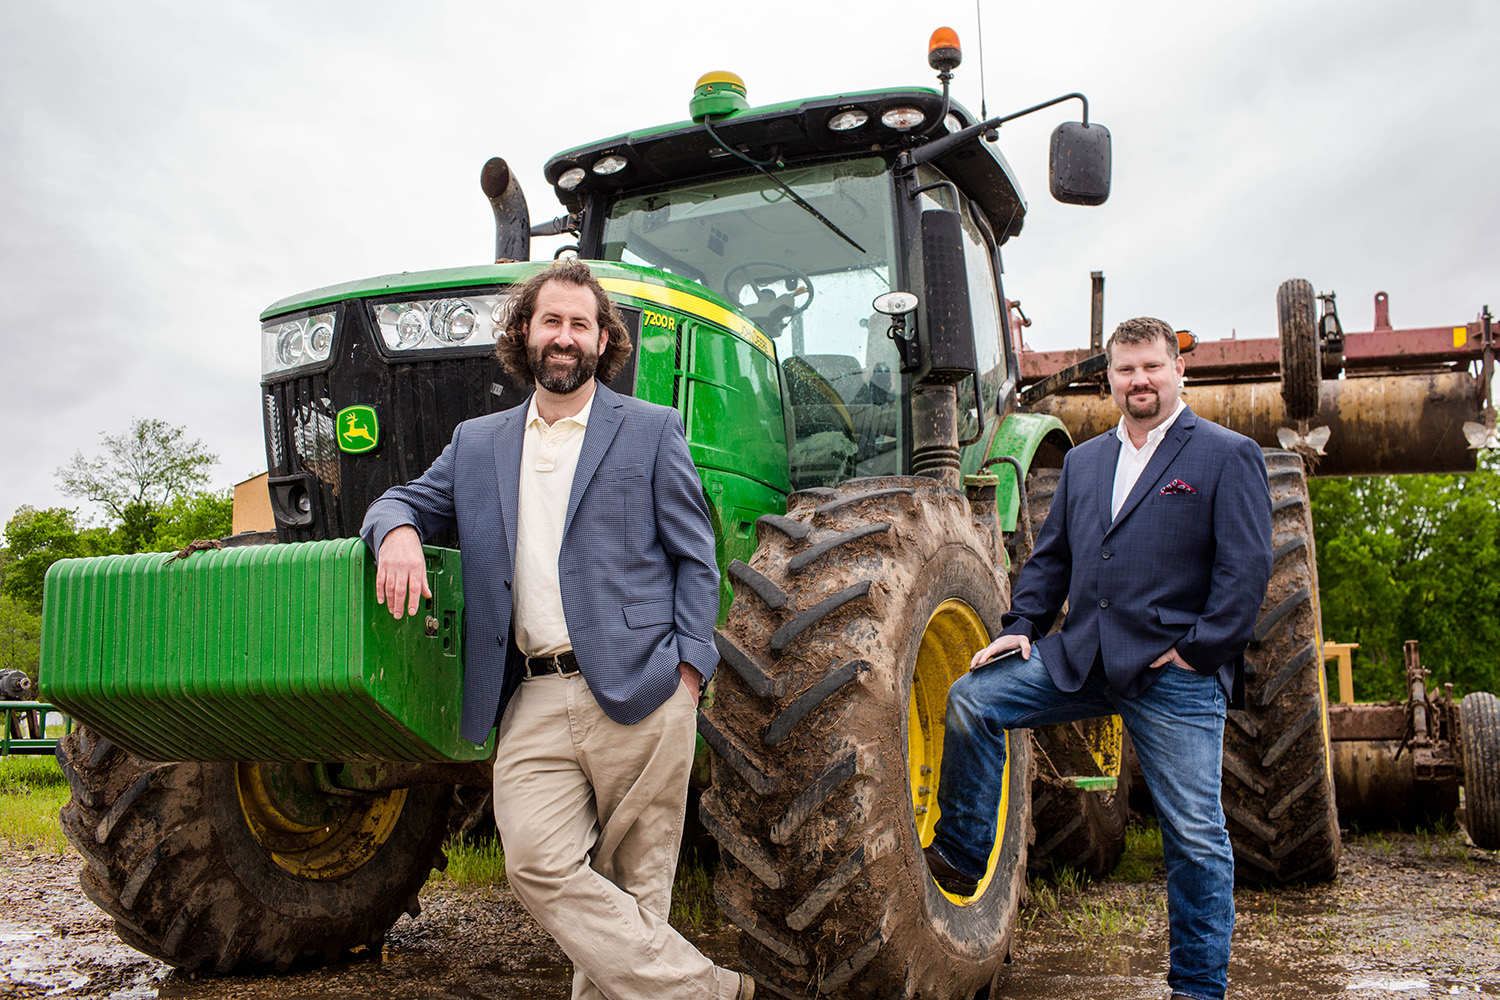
(1150, 409)
(562, 380)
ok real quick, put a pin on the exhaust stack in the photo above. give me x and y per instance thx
(512, 221)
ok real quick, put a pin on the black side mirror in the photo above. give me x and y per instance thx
(1080, 163)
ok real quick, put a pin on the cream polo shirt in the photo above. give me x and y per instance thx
(549, 457)
(1132, 461)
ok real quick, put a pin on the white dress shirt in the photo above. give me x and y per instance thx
(549, 457)
(1133, 460)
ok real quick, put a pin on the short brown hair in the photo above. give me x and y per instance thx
(510, 347)
(1142, 330)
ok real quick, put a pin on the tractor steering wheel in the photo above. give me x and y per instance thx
(769, 309)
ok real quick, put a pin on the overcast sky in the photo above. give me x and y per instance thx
(169, 169)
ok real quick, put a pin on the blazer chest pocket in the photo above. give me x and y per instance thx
(648, 613)
(631, 470)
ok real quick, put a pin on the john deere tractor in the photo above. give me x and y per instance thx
(268, 762)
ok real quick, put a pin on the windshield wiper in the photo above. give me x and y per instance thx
(758, 165)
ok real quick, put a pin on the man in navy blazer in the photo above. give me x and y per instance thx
(590, 595)
(1159, 540)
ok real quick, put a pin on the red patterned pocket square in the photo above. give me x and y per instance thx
(1176, 486)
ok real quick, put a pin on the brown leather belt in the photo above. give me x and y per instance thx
(565, 664)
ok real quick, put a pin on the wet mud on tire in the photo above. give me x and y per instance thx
(1278, 790)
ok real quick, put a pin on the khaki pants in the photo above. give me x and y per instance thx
(590, 815)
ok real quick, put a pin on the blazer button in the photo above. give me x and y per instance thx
(1103, 602)
(1104, 554)
(507, 584)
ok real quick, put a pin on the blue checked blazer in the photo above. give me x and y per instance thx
(640, 587)
(1184, 569)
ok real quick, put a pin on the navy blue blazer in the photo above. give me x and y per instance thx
(1177, 567)
(640, 585)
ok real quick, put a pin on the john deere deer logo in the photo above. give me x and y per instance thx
(359, 430)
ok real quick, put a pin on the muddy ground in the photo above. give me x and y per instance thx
(1409, 916)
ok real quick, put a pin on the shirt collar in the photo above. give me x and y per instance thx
(581, 418)
(1155, 434)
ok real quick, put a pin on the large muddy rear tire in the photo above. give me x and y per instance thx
(858, 610)
(1479, 722)
(1075, 828)
(1301, 353)
(212, 866)
(1278, 790)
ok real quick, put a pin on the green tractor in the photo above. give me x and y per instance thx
(267, 765)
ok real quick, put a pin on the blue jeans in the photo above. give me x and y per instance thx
(1177, 726)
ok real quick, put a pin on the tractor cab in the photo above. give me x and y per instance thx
(800, 216)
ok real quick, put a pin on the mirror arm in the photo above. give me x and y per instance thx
(932, 150)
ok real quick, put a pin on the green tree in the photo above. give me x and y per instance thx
(35, 539)
(1413, 557)
(20, 637)
(194, 516)
(141, 472)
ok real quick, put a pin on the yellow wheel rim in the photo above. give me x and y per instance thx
(952, 636)
(1105, 739)
(310, 833)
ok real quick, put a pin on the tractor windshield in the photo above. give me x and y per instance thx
(804, 285)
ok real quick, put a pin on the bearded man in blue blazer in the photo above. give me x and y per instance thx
(590, 596)
(1159, 540)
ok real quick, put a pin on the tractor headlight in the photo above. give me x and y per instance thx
(430, 324)
(903, 119)
(289, 342)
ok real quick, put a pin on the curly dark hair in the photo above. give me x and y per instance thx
(1142, 330)
(510, 347)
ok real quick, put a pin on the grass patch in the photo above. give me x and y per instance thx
(1142, 859)
(32, 790)
(473, 863)
(1094, 919)
(693, 908)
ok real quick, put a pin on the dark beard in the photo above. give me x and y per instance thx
(561, 381)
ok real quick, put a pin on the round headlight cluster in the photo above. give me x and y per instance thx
(467, 321)
(289, 343)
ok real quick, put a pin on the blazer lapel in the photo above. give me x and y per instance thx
(1165, 452)
(1104, 489)
(604, 421)
(510, 432)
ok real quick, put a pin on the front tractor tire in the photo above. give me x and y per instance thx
(859, 609)
(226, 866)
(1278, 791)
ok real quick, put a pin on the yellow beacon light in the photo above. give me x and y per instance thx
(717, 93)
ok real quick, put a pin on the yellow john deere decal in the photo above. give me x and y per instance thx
(359, 429)
(650, 317)
(686, 302)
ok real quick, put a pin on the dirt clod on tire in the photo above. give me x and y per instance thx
(856, 612)
(1278, 790)
(169, 853)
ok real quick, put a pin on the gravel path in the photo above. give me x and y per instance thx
(1410, 916)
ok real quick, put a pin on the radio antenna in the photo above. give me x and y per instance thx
(984, 113)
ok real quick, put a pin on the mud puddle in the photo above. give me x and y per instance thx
(1409, 917)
